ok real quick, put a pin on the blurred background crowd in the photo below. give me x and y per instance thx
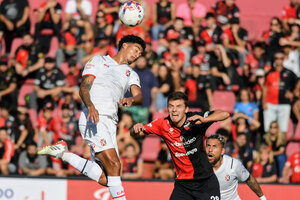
(202, 51)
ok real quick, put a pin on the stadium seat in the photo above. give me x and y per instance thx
(64, 68)
(158, 115)
(212, 129)
(195, 110)
(150, 148)
(15, 44)
(290, 131)
(33, 117)
(224, 100)
(147, 170)
(297, 133)
(25, 89)
(53, 47)
(291, 148)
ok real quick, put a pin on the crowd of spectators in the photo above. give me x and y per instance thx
(189, 47)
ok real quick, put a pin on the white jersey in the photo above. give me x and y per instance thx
(111, 83)
(230, 172)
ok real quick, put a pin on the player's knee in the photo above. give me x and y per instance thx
(114, 165)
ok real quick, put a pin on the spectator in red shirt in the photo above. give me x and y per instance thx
(264, 168)
(44, 125)
(289, 14)
(211, 34)
(125, 30)
(6, 151)
(225, 10)
(28, 58)
(292, 164)
(132, 165)
(181, 33)
(235, 39)
(74, 41)
(173, 59)
(256, 59)
(277, 94)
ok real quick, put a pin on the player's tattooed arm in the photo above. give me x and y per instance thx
(84, 93)
(254, 186)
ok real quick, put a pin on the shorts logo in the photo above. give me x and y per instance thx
(102, 142)
(227, 178)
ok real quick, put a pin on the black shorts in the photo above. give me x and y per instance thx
(205, 189)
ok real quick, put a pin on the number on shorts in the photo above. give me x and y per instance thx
(214, 198)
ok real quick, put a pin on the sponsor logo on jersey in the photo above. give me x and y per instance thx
(190, 141)
(227, 177)
(191, 152)
(89, 66)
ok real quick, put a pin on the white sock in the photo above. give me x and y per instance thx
(89, 168)
(115, 187)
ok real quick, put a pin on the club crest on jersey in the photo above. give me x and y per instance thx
(103, 142)
(186, 125)
(127, 72)
(227, 177)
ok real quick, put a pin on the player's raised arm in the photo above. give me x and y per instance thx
(84, 93)
(136, 99)
(217, 115)
(254, 186)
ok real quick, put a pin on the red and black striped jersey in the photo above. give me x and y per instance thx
(278, 84)
(185, 144)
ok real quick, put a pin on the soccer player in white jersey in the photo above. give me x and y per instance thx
(105, 81)
(229, 170)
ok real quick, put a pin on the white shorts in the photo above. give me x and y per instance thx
(100, 136)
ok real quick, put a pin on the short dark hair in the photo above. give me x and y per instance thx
(32, 143)
(219, 137)
(3, 128)
(210, 15)
(178, 96)
(132, 39)
(179, 18)
(259, 45)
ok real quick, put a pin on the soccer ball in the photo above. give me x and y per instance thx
(131, 13)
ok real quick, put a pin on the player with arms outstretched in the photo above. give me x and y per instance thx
(184, 132)
(105, 82)
(229, 170)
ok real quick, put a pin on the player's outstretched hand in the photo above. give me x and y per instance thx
(93, 114)
(138, 128)
(126, 102)
(197, 119)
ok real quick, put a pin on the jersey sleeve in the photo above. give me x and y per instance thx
(241, 172)
(90, 66)
(134, 79)
(154, 127)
